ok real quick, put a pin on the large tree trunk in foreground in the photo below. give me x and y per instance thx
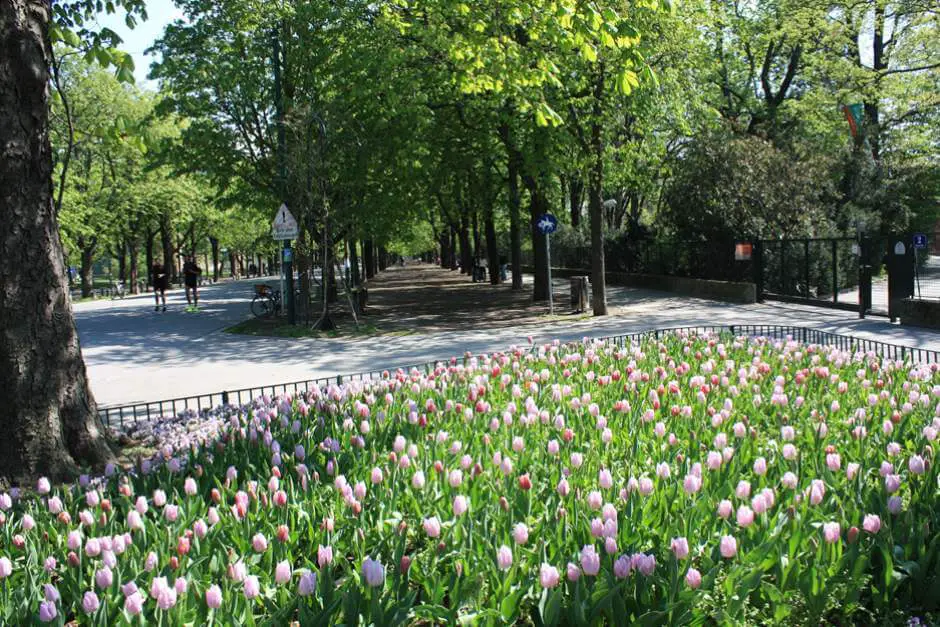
(48, 416)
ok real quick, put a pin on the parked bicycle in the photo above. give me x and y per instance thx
(117, 290)
(267, 301)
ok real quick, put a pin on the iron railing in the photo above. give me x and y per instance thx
(120, 415)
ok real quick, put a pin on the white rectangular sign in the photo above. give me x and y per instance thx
(284, 225)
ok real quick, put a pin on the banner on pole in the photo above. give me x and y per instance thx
(854, 114)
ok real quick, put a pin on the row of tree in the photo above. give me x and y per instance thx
(408, 124)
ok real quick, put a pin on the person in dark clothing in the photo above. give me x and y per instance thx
(160, 283)
(191, 274)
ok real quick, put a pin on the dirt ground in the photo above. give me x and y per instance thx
(421, 297)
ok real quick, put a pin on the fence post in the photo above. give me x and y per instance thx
(806, 268)
(758, 268)
(835, 271)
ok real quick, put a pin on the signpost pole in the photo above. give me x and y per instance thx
(548, 254)
(288, 293)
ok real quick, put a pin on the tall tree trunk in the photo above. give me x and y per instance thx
(466, 254)
(148, 256)
(383, 258)
(88, 252)
(49, 418)
(214, 242)
(166, 243)
(354, 262)
(492, 249)
(538, 205)
(122, 261)
(575, 199)
(231, 263)
(453, 248)
(477, 254)
(515, 204)
(444, 240)
(132, 250)
(598, 269)
(368, 252)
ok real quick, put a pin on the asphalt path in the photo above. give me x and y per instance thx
(134, 354)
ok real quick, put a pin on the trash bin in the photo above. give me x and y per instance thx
(579, 293)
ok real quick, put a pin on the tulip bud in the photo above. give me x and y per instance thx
(405, 564)
(174, 562)
(64, 517)
(106, 505)
(283, 533)
(503, 503)
(853, 535)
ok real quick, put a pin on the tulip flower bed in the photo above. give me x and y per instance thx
(694, 478)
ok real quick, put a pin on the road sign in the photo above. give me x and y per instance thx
(920, 240)
(284, 225)
(546, 224)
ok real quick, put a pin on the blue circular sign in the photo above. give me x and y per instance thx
(546, 224)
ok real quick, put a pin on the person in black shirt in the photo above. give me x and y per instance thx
(160, 283)
(191, 274)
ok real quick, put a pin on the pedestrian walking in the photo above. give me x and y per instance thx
(160, 283)
(191, 273)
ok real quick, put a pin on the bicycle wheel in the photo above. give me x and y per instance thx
(261, 306)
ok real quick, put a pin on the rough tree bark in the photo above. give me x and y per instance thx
(214, 242)
(368, 253)
(513, 167)
(48, 418)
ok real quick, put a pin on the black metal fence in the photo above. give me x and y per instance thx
(116, 416)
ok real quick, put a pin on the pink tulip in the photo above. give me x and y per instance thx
(324, 555)
(307, 584)
(373, 571)
(590, 560)
(6, 567)
(728, 547)
(743, 490)
(432, 527)
(680, 548)
(214, 597)
(460, 505)
(282, 572)
(916, 465)
(134, 603)
(645, 486)
(563, 488)
(47, 611)
(90, 602)
(622, 567)
(104, 578)
(376, 477)
(573, 572)
(520, 533)
(725, 507)
(871, 523)
(548, 576)
(595, 499)
(833, 461)
(789, 480)
(693, 578)
(745, 516)
(252, 588)
(605, 480)
(691, 484)
(259, 543)
(610, 545)
(831, 532)
(504, 557)
(417, 480)
(760, 466)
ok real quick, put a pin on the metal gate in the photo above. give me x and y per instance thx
(866, 275)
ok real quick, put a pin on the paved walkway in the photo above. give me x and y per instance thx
(134, 354)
